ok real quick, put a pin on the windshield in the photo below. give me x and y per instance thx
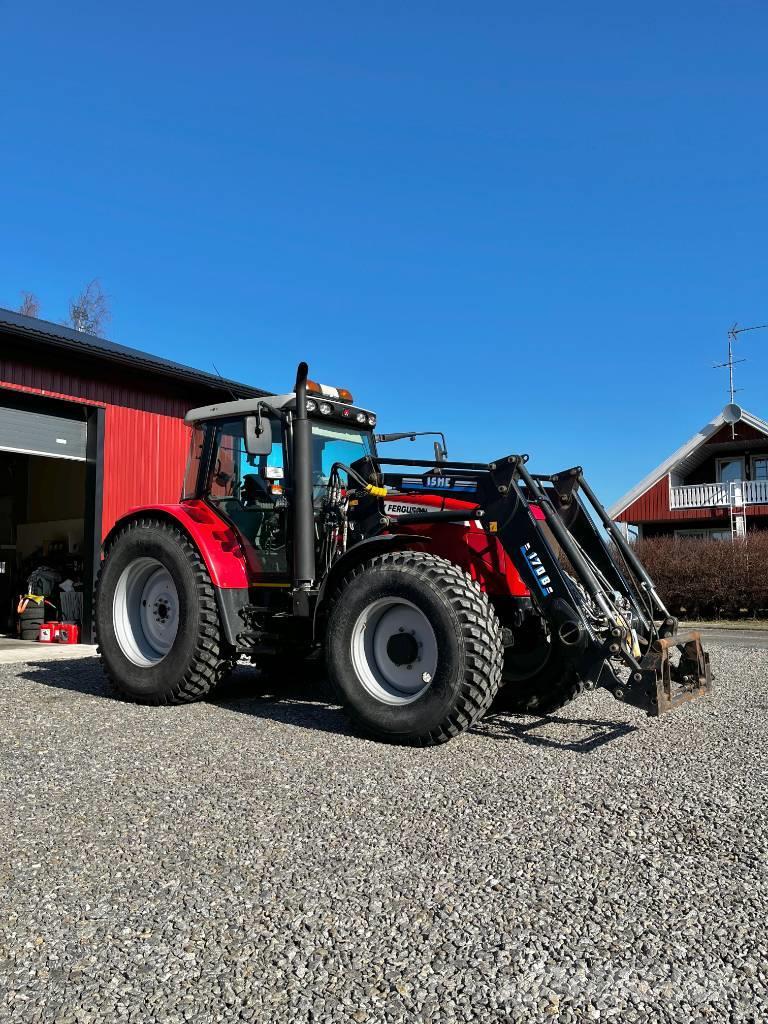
(331, 444)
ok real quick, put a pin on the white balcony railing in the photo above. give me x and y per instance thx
(756, 492)
(741, 492)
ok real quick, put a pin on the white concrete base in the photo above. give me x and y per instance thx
(13, 651)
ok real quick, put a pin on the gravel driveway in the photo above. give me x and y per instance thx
(254, 860)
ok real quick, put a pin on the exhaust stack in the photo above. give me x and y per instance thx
(303, 512)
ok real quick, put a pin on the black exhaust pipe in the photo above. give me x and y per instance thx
(303, 507)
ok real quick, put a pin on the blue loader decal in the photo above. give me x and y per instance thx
(537, 569)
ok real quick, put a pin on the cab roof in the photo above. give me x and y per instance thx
(240, 407)
(246, 406)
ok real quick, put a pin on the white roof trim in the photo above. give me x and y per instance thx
(669, 464)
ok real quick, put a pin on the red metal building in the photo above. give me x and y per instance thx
(88, 430)
(715, 485)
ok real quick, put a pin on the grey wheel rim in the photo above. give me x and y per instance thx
(145, 612)
(394, 651)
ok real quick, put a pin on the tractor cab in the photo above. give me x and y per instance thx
(241, 464)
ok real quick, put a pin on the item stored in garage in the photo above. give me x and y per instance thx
(67, 633)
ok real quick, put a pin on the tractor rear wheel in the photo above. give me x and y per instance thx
(413, 648)
(536, 680)
(157, 622)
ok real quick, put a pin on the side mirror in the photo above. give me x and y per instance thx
(258, 434)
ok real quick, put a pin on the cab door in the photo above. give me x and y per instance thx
(249, 491)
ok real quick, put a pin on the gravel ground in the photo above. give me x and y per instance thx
(254, 860)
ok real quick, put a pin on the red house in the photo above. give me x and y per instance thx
(88, 430)
(715, 486)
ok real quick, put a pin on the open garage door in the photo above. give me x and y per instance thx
(50, 510)
(37, 433)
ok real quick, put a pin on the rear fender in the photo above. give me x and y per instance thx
(216, 541)
(220, 549)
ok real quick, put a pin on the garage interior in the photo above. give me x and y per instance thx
(47, 515)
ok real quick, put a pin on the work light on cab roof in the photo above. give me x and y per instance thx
(339, 395)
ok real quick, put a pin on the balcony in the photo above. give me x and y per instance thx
(738, 493)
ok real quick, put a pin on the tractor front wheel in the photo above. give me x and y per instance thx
(157, 621)
(413, 648)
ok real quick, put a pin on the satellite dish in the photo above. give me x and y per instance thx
(732, 413)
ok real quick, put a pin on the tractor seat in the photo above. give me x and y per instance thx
(253, 505)
(254, 493)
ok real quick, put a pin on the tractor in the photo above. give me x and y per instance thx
(433, 590)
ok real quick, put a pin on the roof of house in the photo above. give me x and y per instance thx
(70, 340)
(684, 459)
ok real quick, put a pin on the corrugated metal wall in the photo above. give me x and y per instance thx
(144, 459)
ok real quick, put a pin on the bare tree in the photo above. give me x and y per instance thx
(30, 304)
(89, 311)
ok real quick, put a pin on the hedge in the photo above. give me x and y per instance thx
(709, 578)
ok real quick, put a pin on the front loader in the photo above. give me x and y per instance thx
(434, 590)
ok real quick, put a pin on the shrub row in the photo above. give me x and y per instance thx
(709, 578)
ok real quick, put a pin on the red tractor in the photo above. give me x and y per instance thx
(435, 589)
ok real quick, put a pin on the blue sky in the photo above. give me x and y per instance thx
(529, 225)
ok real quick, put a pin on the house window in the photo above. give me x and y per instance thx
(760, 467)
(730, 470)
(702, 534)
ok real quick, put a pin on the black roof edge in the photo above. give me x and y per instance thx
(70, 340)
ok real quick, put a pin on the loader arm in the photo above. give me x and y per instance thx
(600, 605)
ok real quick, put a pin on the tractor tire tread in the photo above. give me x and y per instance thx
(209, 662)
(479, 625)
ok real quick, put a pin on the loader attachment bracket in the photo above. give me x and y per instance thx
(674, 671)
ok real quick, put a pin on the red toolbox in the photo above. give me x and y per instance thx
(67, 633)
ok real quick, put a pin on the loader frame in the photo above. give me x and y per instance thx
(641, 659)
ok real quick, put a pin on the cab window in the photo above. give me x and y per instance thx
(250, 491)
(332, 444)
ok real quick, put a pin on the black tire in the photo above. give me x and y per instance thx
(198, 657)
(468, 640)
(30, 633)
(32, 613)
(536, 678)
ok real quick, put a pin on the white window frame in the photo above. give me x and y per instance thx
(752, 460)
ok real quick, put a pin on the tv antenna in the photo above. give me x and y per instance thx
(733, 335)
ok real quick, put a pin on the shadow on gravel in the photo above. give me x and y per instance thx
(305, 701)
(80, 675)
(581, 735)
